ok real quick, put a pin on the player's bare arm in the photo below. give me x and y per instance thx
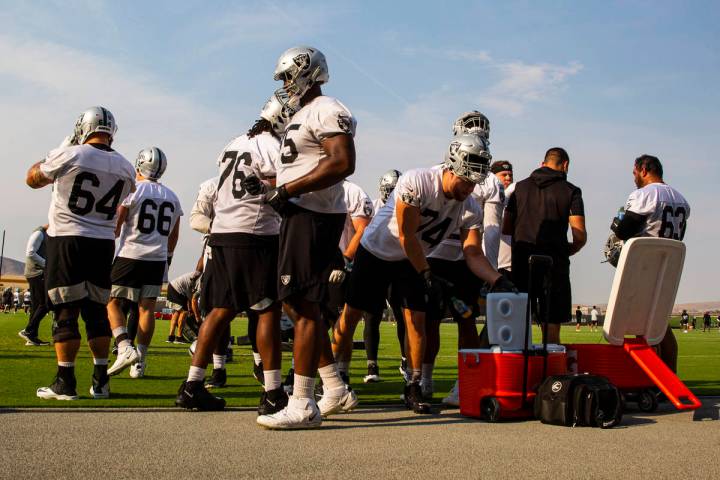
(579, 234)
(35, 178)
(339, 164)
(122, 213)
(474, 256)
(173, 239)
(408, 219)
(359, 223)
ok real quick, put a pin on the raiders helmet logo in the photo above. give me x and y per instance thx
(409, 198)
(454, 147)
(344, 123)
(368, 209)
(285, 279)
(556, 387)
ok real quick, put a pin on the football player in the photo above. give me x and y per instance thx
(655, 209)
(89, 181)
(371, 330)
(317, 154)
(427, 205)
(240, 274)
(35, 259)
(182, 300)
(503, 170)
(148, 228)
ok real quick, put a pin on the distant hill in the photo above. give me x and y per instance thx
(12, 267)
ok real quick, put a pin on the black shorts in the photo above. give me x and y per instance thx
(135, 279)
(466, 285)
(370, 278)
(238, 277)
(177, 300)
(308, 244)
(557, 305)
(78, 268)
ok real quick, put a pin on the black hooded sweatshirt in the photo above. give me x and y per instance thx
(540, 207)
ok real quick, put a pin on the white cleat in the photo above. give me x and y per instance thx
(338, 400)
(100, 392)
(124, 359)
(137, 370)
(300, 413)
(453, 398)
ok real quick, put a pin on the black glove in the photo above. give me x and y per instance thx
(253, 185)
(277, 198)
(502, 284)
(434, 289)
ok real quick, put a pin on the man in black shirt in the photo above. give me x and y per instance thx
(537, 217)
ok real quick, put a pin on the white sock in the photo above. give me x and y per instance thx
(343, 367)
(66, 364)
(331, 377)
(196, 374)
(123, 345)
(257, 358)
(117, 331)
(142, 351)
(304, 387)
(100, 361)
(218, 361)
(273, 379)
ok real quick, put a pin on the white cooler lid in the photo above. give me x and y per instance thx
(644, 289)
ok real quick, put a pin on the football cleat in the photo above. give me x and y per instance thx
(194, 396)
(453, 398)
(373, 375)
(414, 399)
(338, 400)
(272, 401)
(58, 390)
(98, 389)
(300, 413)
(137, 370)
(218, 379)
(170, 339)
(32, 340)
(124, 359)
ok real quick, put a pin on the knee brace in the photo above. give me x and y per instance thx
(96, 320)
(65, 327)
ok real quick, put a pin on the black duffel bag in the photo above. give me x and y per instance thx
(579, 400)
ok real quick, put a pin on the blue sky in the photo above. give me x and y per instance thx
(606, 80)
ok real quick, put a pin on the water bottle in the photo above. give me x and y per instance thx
(620, 213)
(460, 307)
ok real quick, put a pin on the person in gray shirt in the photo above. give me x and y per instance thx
(35, 274)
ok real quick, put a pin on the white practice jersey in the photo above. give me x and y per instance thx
(88, 185)
(187, 284)
(665, 209)
(302, 150)
(203, 210)
(505, 255)
(440, 216)
(26, 296)
(490, 197)
(153, 211)
(236, 211)
(358, 205)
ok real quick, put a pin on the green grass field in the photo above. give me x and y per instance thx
(24, 369)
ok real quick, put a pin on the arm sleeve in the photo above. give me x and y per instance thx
(332, 119)
(33, 245)
(631, 225)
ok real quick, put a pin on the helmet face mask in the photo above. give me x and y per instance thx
(94, 120)
(472, 122)
(277, 111)
(300, 68)
(468, 157)
(387, 183)
(151, 163)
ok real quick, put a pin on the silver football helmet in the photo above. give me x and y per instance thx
(277, 111)
(472, 122)
(468, 157)
(387, 183)
(151, 162)
(612, 250)
(301, 68)
(94, 120)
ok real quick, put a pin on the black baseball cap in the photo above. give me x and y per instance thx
(500, 166)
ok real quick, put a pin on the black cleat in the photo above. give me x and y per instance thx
(272, 401)
(60, 389)
(32, 340)
(218, 379)
(193, 395)
(170, 339)
(373, 375)
(414, 399)
(259, 374)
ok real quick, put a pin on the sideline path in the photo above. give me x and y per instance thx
(369, 443)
